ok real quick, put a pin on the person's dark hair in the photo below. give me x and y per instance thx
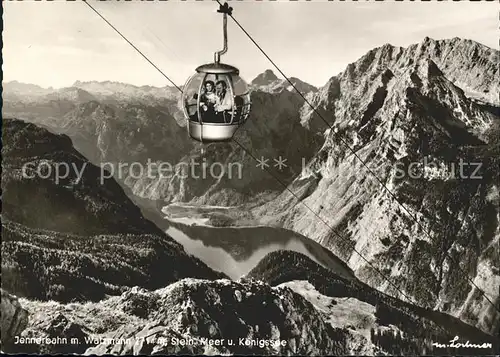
(208, 82)
(238, 100)
(223, 84)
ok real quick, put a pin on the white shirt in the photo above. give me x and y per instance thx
(225, 104)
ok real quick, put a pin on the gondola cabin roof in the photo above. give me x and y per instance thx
(217, 68)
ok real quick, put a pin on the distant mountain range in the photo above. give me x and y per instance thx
(117, 92)
(120, 123)
(389, 109)
(91, 90)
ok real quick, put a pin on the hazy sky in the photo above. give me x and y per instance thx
(56, 43)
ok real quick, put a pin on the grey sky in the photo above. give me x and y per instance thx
(57, 43)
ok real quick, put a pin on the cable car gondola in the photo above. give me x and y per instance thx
(216, 100)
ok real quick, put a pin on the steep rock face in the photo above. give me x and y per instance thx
(309, 308)
(196, 312)
(75, 237)
(107, 92)
(376, 322)
(395, 108)
(125, 133)
(14, 319)
(16, 88)
(239, 249)
(105, 120)
(48, 185)
(468, 64)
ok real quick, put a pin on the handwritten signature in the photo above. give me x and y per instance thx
(454, 344)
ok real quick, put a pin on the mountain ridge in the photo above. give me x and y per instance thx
(321, 313)
(393, 107)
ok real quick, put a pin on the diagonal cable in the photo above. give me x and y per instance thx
(131, 44)
(287, 188)
(412, 215)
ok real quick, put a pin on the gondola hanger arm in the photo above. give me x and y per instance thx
(225, 9)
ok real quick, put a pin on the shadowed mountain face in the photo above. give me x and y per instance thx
(416, 119)
(90, 259)
(37, 194)
(76, 238)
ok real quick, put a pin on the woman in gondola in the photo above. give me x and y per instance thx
(208, 100)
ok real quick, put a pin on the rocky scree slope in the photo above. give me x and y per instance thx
(14, 319)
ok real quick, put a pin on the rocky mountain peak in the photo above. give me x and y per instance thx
(268, 82)
(265, 78)
(237, 314)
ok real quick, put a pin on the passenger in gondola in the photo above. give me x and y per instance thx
(224, 103)
(238, 108)
(208, 100)
(191, 106)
